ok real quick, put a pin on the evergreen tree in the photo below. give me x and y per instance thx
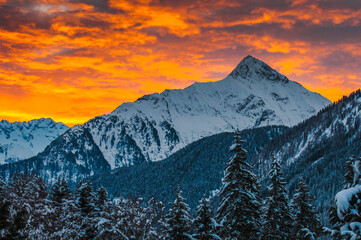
(351, 178)
(17, 229)
(306, 221)
(154, 220)
(3, 190)
(85, 200)
(178, 219)
(102, 197)
(345, 217)
(239, 210)
(204, 224)
(4, 218)
(278, 218)
(60, 192)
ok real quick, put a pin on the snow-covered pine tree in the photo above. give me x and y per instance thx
(239, 210)
(4, 209)
(29, 193)
(349, 178)
(178, 220)
(5, 215)
(4, 192)
(102, 197)
(306, 223)
(204, 223)
(17, 230)
(60, 192)
(86, 204)
(278, 217)
(345, 217)
(85, 198)
(155, 220)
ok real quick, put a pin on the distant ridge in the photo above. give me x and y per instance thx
(21, 140)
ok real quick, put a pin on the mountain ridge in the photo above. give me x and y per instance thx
(21, 140)
(317, 150)
(157, 125)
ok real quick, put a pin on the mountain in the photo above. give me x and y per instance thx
(317, 149)
(157, 125)
(253, 95)
(73, 155)
(197, 168)
(21, 140)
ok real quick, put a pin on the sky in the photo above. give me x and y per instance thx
(72, 60)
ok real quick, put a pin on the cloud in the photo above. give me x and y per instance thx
(86, 57)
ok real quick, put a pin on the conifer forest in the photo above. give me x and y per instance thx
(31, 209)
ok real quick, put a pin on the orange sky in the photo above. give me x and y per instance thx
(72, 60)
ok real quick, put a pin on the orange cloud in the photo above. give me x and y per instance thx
(73, 60)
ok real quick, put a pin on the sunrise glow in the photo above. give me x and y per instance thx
(74, 60)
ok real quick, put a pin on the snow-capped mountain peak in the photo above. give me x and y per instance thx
(21, 140)
(159, 124)
(251, 68)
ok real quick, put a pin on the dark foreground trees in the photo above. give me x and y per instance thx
(29, 209)
(239, 211)
(278, 218)
(345, 215)
(28, 212)
(306, 223)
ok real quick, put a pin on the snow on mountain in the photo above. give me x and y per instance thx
(21, 140)
(157, 125)
(317, 150)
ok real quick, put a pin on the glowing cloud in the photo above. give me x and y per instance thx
(75, 59)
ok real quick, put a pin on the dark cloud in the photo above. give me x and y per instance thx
(341, 60)
(100, 6)
(300, 31)
(97, 23)
(332, 34)
(340, 4)
(83, 52)
(12, 18)
(12, 90)
(11, 67)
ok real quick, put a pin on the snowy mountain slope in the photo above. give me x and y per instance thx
(197, 168)
(73, 155)
(157, 125)
(252, 95)
(318, 148)
(21, 140)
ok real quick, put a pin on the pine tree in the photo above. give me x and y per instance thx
(350, 179)
(306, 221)
(3, 190)
(17, 229)
(178, 219)
(4, 217)
(60, 192)
(278, 218)
(154, 220)
(345, 216)
(102, 197)
(204, 223)
(239, 210)
(85, 200)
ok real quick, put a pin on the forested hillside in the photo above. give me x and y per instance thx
(318, 149)
(198, 168)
